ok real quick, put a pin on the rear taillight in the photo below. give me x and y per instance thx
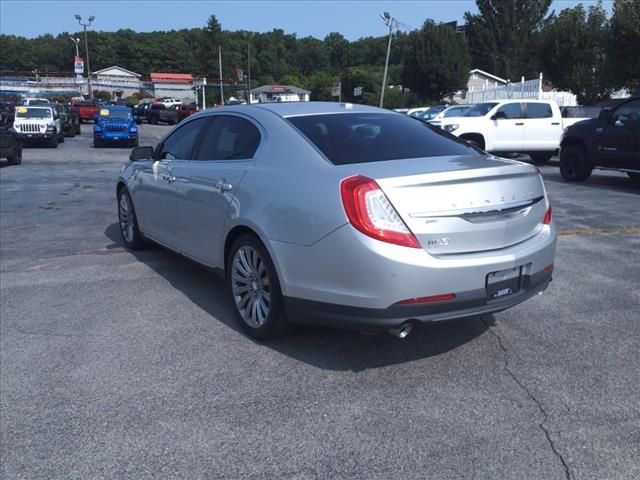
(547, 216)
(546, 220)
(370, 212)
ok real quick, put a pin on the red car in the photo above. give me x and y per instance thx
(86, 111)
(185, 110)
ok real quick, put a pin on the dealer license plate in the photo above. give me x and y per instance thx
(503, 282)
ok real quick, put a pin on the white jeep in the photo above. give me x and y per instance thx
(39, 123)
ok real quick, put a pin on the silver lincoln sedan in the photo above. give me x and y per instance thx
(341, 215)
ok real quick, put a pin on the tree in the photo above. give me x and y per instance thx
(338, 48)
(436, 61)
(624, 60)
(503, 36)
(574, 52)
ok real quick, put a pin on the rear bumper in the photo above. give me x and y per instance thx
(349, 280)
(466, 304)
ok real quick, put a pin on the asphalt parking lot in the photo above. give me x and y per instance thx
(123, 365)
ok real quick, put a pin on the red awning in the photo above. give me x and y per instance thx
(171, 77)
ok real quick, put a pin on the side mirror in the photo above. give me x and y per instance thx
(605, 115)
(499, 115)
(141, 153)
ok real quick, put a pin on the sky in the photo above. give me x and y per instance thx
(353, 19)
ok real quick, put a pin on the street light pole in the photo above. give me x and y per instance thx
(86, 49)
(76, 41)
(388, 21)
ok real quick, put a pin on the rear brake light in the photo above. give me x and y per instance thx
(434, 298)
(370, 212)
(548, 268)
(547, 216)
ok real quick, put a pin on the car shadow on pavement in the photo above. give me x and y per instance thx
(325, 348)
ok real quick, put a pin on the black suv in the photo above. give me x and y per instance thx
(68, 119)
(10, 143)
(610, 142)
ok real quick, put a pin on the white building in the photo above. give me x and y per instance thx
(118, 81)
(278, 93)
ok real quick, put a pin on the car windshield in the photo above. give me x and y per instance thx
(117, 114)
(480, 110)
(347, 138)
(27, 112)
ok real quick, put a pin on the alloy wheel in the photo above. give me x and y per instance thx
(127, 217)
(251, 286)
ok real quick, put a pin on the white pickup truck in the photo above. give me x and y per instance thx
(513, 126)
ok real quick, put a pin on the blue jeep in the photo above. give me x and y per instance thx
(115, 125)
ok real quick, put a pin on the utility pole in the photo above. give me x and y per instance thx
(86, 49)
(389, 22)
(220, 65)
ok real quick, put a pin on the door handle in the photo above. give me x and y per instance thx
(519, 124)
(555, 123)
(223, 186)
(168, 178)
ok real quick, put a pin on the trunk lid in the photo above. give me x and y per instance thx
(469, 204)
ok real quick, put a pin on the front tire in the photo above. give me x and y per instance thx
(573, 164)
(635, 177)
(128, 221)
(53, 143)
(255, 290)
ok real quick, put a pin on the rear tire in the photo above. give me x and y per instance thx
(475, 140)
(540, 158)
(128, 221)
(78, 129)
(17, 158)
(573, 164)
(255, 290)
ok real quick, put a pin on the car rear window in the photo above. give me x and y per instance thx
(348, 138)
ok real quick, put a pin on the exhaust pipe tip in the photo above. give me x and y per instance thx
(402, 331)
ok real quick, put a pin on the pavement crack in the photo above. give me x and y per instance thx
(532, 397)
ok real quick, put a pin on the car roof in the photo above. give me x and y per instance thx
(115, 107)
(293, 109)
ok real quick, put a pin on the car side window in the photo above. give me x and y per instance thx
(539, 110)
(628, 111)
(229, 138)
(179, 144)
(511, 110)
